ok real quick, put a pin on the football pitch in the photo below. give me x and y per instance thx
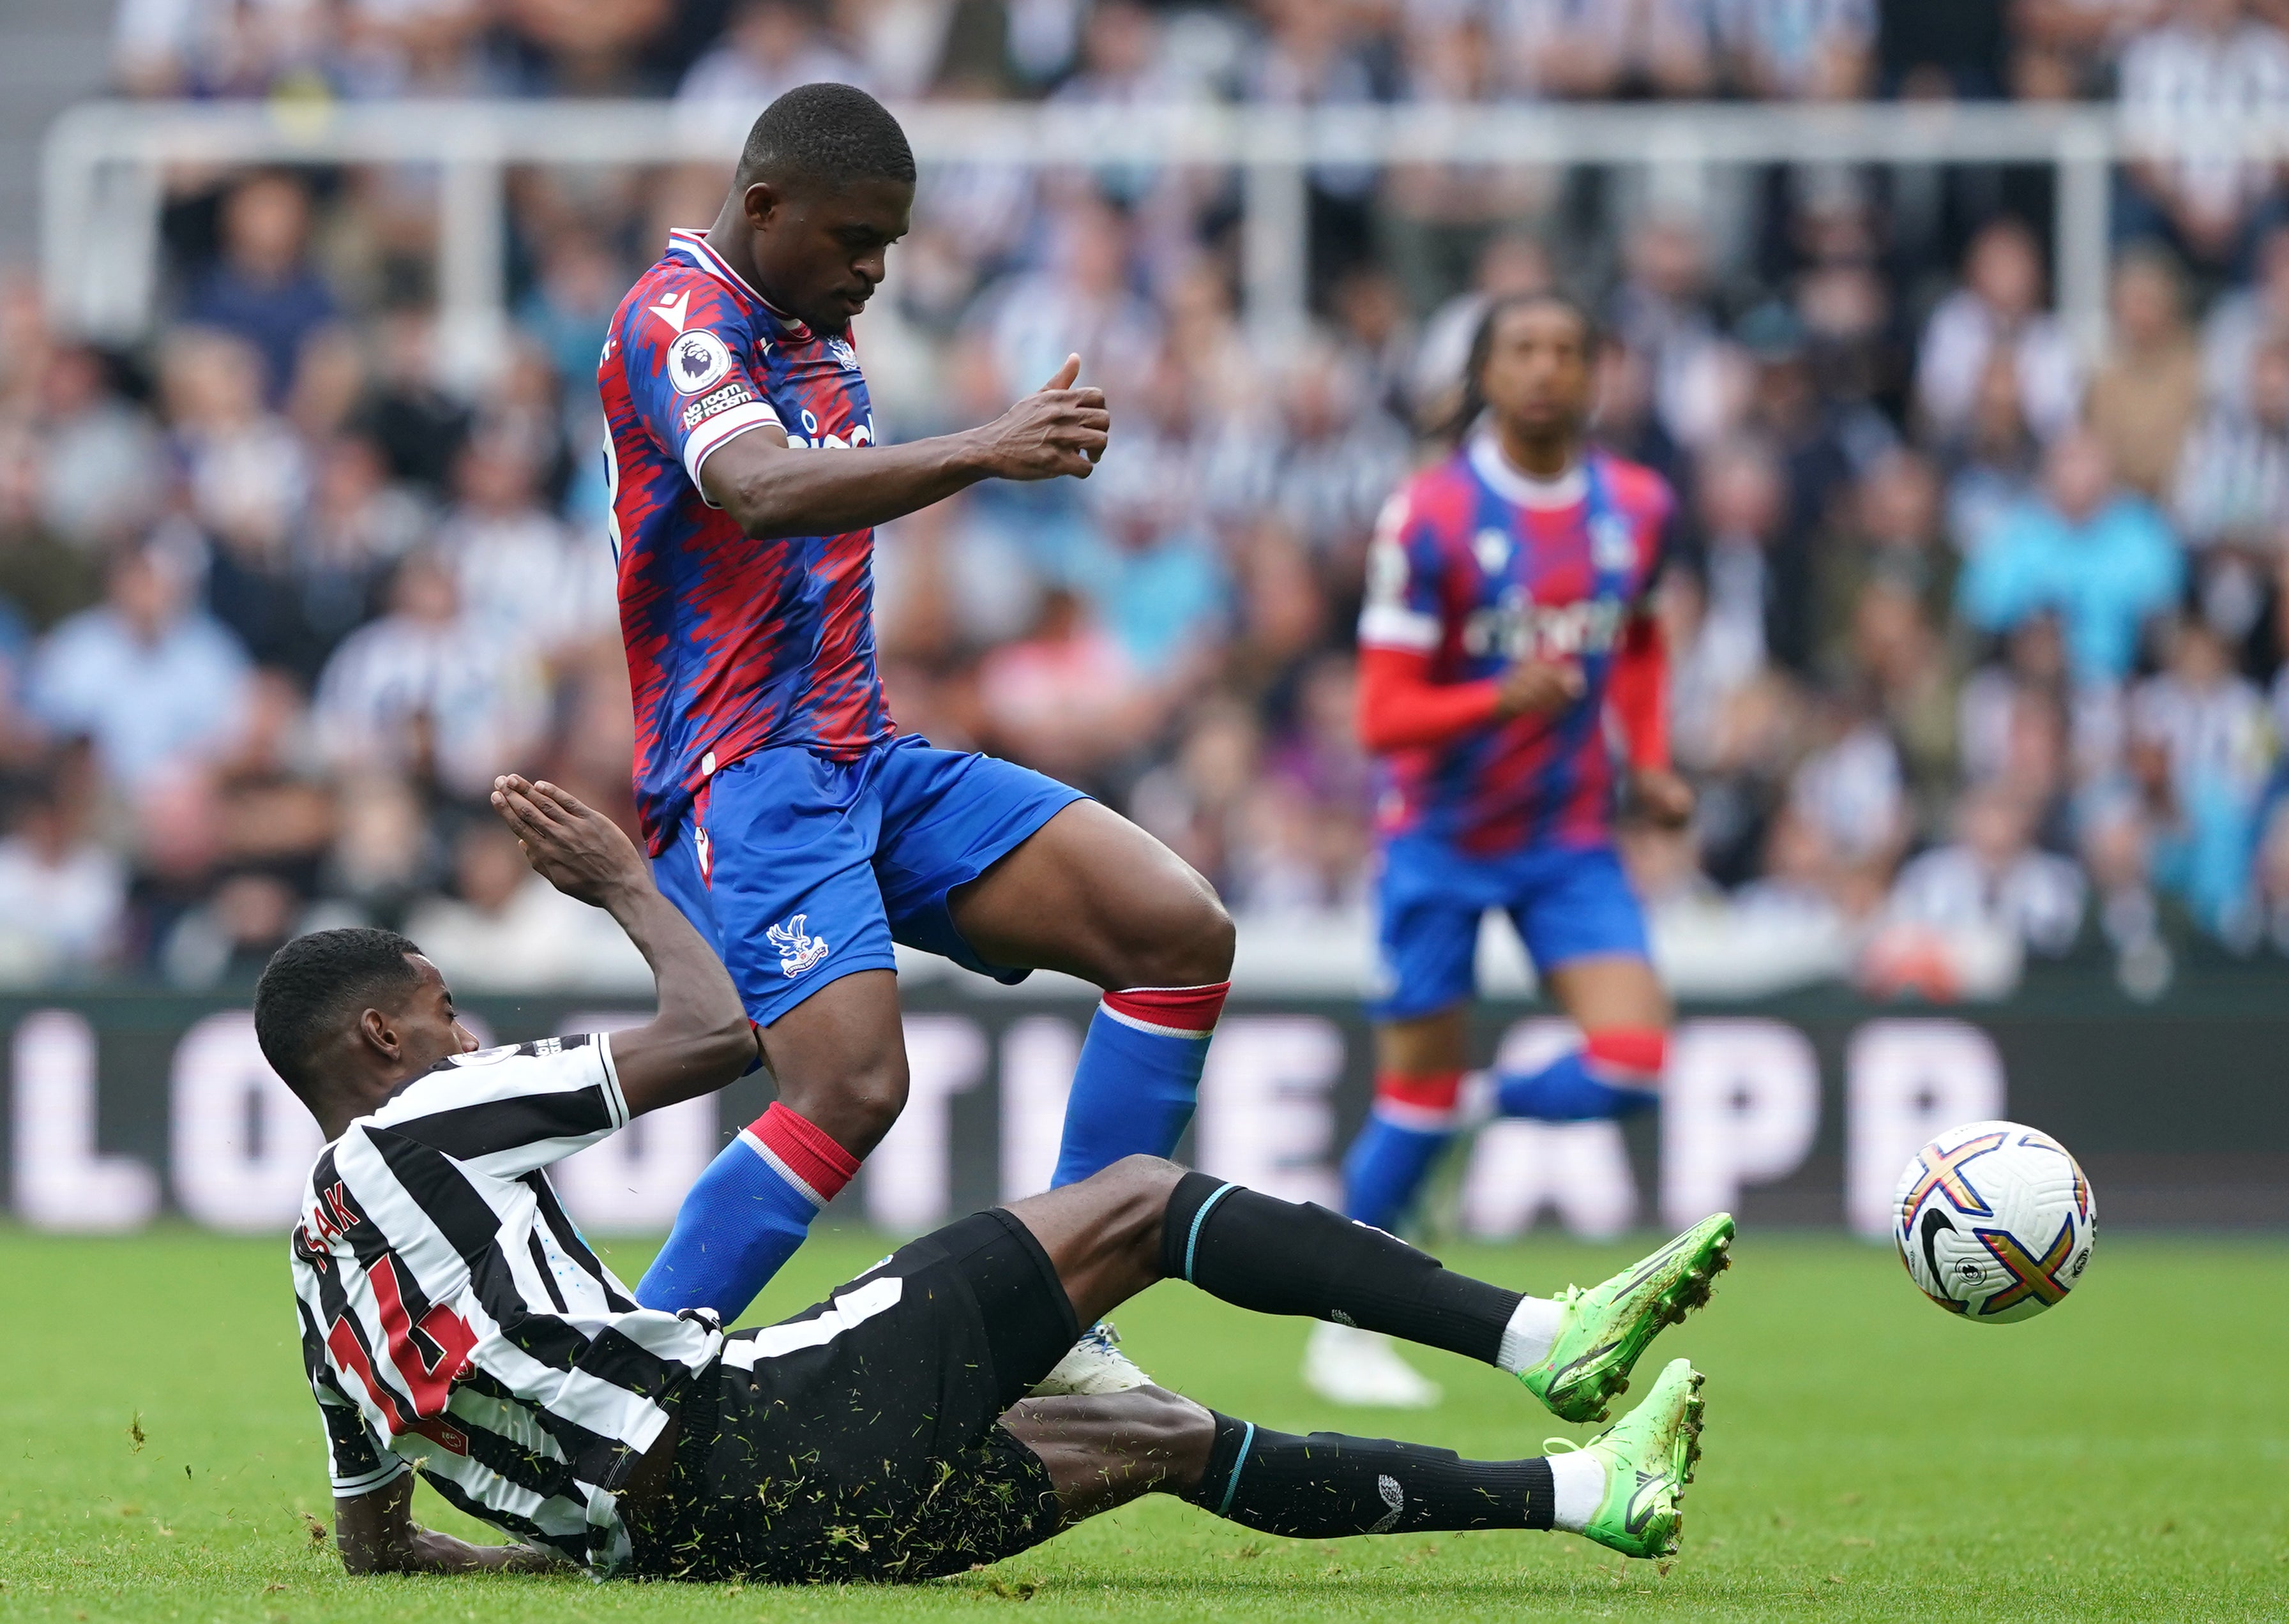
(2125, 1456)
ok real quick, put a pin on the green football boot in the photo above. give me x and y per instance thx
(1607, 1327)
(1648, 1456)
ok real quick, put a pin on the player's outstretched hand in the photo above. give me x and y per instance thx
(1056, 430)
(577, 850)
(1538, 688)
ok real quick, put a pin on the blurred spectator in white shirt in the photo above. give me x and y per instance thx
(2232, 491)
(770, 47)
(1992, 463)
(1998, 309)
(2209, 720)
(1309, 56)
(1852, 790)
(409, 47)
(1601, 48)
(1323, 458)
(1082, 301)
(62, 895)
(215, 47)
(1664, 310)
(1994, 876)
(523, 577)
(2195, 80)
(155, 682)
(2241, 319)
(100, 459)
(1799, 49)
(428, 690)
(509, 929)
(248, 473)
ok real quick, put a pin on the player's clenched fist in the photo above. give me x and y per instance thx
(1538, 688)
(1056, 430)
(578, 850)
(1662, 795)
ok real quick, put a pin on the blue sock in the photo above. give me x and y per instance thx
(1569, 1089)
(1411, 1121)
(1138, 1076)
(1386, 1166)
(745, 1215)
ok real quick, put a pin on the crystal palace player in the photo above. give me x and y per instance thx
(788, 820)
(1506, 638)
(454, 1321)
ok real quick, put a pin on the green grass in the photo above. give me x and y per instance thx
(2122, 1457)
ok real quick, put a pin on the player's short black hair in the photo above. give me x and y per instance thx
(1473, 402)
(826, 135)
(317, 980)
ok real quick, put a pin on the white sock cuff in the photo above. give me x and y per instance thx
(1532, 1330)
(1578, 1482)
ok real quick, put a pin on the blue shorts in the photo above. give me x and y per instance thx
(1567, 902)
(800, 869)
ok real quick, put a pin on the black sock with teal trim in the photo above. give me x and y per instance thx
(1327, 1485)
(1276, 1257)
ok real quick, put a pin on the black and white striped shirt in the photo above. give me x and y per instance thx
(453, 1320)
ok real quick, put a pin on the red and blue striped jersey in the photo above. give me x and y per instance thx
(1475, 566)
(734, 645)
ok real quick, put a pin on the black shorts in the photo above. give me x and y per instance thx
(860, 1440)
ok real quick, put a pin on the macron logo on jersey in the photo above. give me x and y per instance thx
(673, 310)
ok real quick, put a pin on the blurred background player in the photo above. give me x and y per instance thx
(788, 818)
(1507, 638)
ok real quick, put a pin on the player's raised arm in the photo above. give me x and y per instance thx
(772, 489)
(700, 1040)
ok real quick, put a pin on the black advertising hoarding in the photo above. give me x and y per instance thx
(121, 1108)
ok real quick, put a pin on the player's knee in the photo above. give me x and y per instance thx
(1136, 1192)
(1186, 940)
(856, 1105)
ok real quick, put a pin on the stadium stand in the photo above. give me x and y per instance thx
(1973, 632)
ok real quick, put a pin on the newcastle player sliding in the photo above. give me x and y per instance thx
(455, 1323)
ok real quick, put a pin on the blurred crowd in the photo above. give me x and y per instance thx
(1973, 630)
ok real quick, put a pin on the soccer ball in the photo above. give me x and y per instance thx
(1994, 1221)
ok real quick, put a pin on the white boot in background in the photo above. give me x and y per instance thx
(1347, 1365)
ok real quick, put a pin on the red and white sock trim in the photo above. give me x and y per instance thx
(1627, 1056)
(1168, 1011)
(1424, 1104)
(799, 1153)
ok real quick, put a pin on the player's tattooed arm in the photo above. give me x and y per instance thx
(376, 1533)
(774, 490)
(701, 1039)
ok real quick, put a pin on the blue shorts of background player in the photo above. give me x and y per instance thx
(1567, 903)
(1572, 905)
(800, 869)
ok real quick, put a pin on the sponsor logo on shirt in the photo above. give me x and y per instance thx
(698, 361)
(733, 393)
(810, 439)
(1517, 628)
